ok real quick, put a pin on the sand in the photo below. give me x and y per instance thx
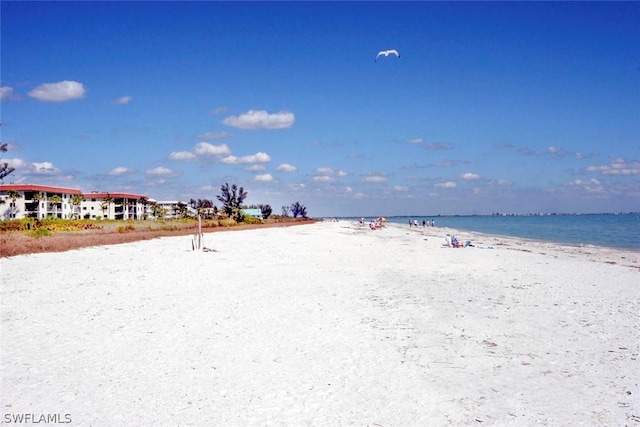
(323, 324)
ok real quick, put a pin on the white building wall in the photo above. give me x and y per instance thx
(24, 207)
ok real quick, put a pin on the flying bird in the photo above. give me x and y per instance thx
(387, 53)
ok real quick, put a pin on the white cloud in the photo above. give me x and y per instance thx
(375, 179)
(322, 178)
(617, 167)
(182, 155)
(6, 92)
(206, 149)
(400, 188)
(415, 141)
(255, 158)
(37, 168)
(285, 167)
(341, 173)
(66, 90)
(324, 171)
(261, 119)
(470, 175)
(44, 168)
(264, 178)
(119, 171)
(16, 163)
(591, 186)
(161, 172)
(123, 100)
(447, 184)
(213, 135)
(255, 168)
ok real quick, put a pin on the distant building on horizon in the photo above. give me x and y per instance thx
(171, 209)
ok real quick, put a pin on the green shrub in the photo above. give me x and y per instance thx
(252, 220)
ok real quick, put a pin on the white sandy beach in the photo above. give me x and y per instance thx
(323, 324)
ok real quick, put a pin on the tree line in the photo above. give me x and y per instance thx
(232, 199)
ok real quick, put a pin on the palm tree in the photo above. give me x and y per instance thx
(13, 195)
(157, 211)
(232, 198)
(298, 210)
(5, 169)
(144, 201)
(76, 200)
(181, 210)
(55, 200)
(106, 203)
(38, 197)
(125, 208)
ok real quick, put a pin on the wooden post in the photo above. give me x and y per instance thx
(197, 241)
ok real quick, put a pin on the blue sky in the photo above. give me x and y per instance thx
(491, 107)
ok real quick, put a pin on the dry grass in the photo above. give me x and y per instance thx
(20, 243)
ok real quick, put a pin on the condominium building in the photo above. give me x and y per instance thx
(170, 209)
(113, 206)
(19, 201)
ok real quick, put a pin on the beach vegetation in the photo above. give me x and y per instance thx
(181, 210)
(205, 208)
(40, 232)
(106, 203)
(13, 196)
(76, 200)
(37, 198)
(126, 227)
(157, 211)
(285, 211)
(232, 198)
(248, 219)
(298, 210)
(266, 211)
(50, 224)
(55, 202)
(5, 169)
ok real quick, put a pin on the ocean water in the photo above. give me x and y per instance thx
(609, 230)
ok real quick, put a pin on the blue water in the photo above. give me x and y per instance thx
(609, 230)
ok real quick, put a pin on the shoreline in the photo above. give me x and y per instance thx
(603, 230)
(610, 255)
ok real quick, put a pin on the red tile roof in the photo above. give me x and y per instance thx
(40, 188)
(102, 195)
(63, 190)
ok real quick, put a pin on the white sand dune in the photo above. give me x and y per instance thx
(323, 324)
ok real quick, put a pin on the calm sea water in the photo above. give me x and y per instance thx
(616, 231)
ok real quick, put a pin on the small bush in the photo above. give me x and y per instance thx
(126, 228)
(252, 220)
